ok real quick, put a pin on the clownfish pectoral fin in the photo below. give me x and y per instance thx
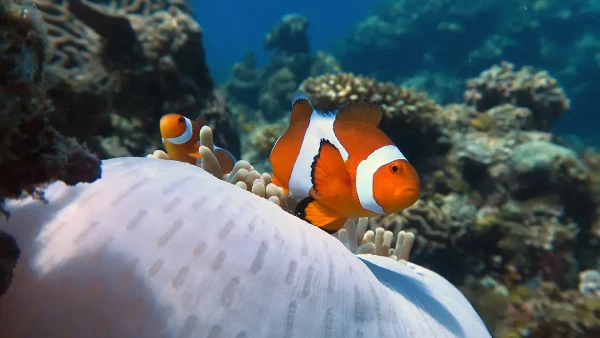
(362, 112)
(318, 215)
(329, 175)
(302, 109)
(195, 155)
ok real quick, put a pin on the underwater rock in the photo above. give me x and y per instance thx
(9, 255)
(545, 167)
(290, 35)
(32, 153)
(263, 94)
(128, 256)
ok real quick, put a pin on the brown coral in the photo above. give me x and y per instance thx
(527, 88)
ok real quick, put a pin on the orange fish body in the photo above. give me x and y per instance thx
(340, 165)
(181, 140)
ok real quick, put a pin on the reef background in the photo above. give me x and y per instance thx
(483, 97)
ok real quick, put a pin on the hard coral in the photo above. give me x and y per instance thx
(32, 153)
(411, 118)
(137, 59)
(528, 88)
(548, 312)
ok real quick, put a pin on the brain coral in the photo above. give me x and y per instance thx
(145, 252)
(136, 59)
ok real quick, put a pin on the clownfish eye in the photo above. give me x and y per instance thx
(395, 168)
(181, 120)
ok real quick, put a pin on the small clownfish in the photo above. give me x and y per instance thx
(181, 137)
(340, 165)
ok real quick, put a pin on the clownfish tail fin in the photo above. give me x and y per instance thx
(318, 215)
(302, 108)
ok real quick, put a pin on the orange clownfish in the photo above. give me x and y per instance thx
(181, 136)
(340, 165)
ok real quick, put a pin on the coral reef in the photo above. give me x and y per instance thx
(502, 199)
(116, 67)
(263, 94)
(32, 152)
(450, 40)
(526, 88)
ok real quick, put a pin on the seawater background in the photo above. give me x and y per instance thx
(234, 28)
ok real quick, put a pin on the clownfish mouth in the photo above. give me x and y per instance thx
(410, 191)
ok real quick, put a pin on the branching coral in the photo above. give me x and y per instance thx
(527, 88)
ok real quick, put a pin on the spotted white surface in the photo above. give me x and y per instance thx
(162, 249)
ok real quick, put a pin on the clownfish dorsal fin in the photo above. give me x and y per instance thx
(302, 109)
(318, 215)
(361, 111)
(329, 174)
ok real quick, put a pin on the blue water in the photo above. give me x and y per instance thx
(233, 28)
